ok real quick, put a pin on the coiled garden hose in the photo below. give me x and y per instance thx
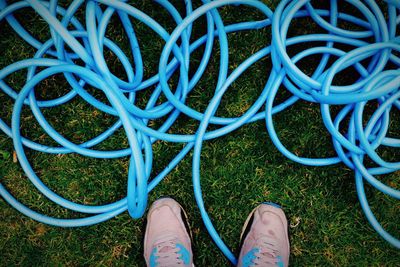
(373, 54)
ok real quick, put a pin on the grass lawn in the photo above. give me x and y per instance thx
(240, 170)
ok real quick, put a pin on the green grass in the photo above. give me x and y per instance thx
(240, 170)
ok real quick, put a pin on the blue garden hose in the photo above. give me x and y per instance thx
(379, 81)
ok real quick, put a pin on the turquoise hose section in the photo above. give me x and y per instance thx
(372, 51)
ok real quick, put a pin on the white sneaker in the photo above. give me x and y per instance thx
(167, 238)
(265, 240)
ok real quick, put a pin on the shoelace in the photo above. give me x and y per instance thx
(168, 254)
(267, 254)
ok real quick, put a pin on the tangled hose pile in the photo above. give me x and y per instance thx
(373, 54)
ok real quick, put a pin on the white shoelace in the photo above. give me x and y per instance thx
(167, 254)
(267, 254)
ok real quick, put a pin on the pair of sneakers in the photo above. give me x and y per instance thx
(264, 239)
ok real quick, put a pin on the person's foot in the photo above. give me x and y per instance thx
(265, 240)
(167, 238)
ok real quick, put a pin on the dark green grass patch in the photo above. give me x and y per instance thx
(238, 171)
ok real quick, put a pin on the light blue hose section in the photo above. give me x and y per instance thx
(371, 51)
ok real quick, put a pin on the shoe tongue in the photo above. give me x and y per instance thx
(166, 244)
(268, 248)
(267, 254)
(166, 249)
